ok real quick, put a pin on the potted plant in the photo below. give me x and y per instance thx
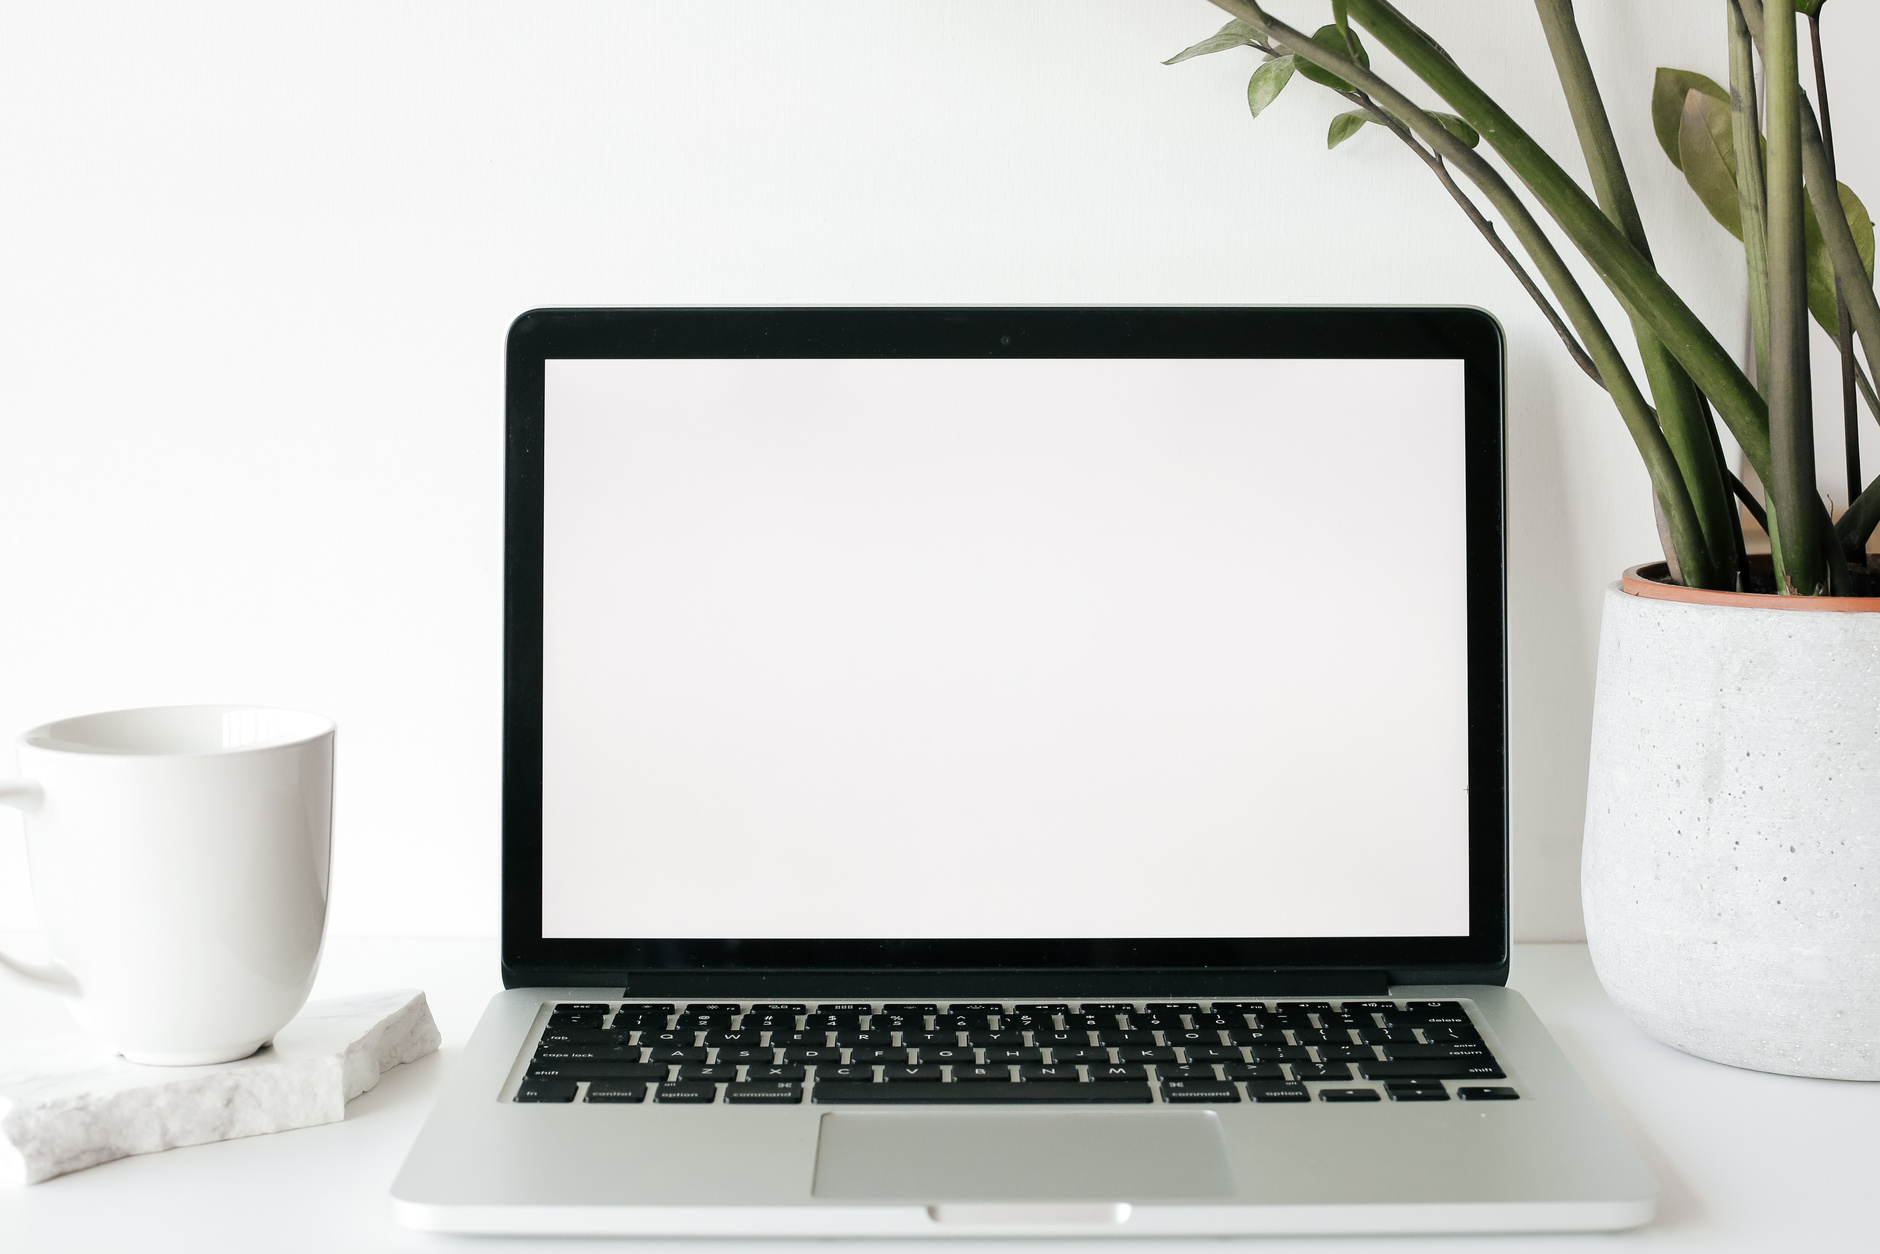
(1731, 874)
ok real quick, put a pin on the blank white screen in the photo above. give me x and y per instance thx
(1033, 648)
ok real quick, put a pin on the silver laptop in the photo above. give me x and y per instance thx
(1008, 772)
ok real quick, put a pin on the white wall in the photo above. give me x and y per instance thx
(257, 260)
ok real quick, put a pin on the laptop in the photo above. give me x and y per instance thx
(1024, 771)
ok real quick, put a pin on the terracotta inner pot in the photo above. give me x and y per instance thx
(1652, 581)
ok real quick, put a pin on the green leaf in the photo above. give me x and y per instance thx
(1235, 34)
(1707, 155)
(1342, 20)
(1821, 302)
(1456, 126)
(1669, 89)
(1332, 40)
(1268, 81)
(1809, 8)
(1344, 126)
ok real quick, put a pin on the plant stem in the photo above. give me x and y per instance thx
(1843, 332)
(1850, 271)
(1751, 195)
(1750, 503)
(1685, 425)
(1732, 483)
(1632, 278)
(1487, 229)
(1791, 408)
(1634, 410)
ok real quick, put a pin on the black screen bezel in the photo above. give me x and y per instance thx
(1471, 335)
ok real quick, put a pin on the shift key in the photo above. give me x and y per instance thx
(1469, 1068)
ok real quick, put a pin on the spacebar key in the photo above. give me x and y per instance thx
(845, 1092)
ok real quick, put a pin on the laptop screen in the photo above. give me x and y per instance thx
(1004, 648)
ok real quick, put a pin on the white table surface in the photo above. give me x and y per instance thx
(1745, 1161)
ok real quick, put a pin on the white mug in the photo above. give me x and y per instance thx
(179, 860)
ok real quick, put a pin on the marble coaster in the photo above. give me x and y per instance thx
(66, 1103)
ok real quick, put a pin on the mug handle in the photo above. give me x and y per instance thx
(25, 795)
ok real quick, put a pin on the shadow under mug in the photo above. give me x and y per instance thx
(179, 862)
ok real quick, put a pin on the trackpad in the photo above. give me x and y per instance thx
(926, 1157)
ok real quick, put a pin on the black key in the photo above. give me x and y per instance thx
(947, 1054)
(712, 1007)
(849, 1009)
(982, 1074)
(877, 1053)
(555, 1051)
(779, 1008)
(1349, 1095)
(1217, 1092)
(915, 1008)
(1119, 1036)
(693, 1094)
(1211, 1053)
(1347, 1053)
(740, 1036)
(1146, 1053)
(1191, 1036)
(761, 1023)
(1387, 1036)
(819, 1019)
(546, 1090)
(648, 1008)
(897, 1023)
(624, 1022)
(1063, 1037)
(586, 1036)
(1304, 1007)
(675, 1055)
(975, 1023)
(806, 1036)
(1052, 1072)
(1117, 1071)
(1237, 1007)
(1107, 1008)
(759, 1056)
(1087, 1022)
(1174, 1007)
(1218, 1021)
(1451, 1032)
(1257, 1036)
(1253, 1071)
(583, 1008)
(704, 1021)
(1487, 1093)
(843, 1071)
(1323, 1071)
(673, 1038)
(1413, 1083)
(1279, 1053)
(930, 1038)
(1155, 1022)
(1438, 1011)
(1079, 1053)
(1185, 1071)
(763, 1093)
(1440, 1049)
(1322, 1036)
(1046, 1008)
(1266, 1092)
(972, 1094)
(1416, 1095)
(851, 1037)
(975, 1008)
(1013, 1053)
(812, 1053)
(1001, 1037)
(616, 1091)
(1434, 1069)
(906, 1075)
(703, 1071)
(574, 1021)
(597, 1070)
(1369, 1007)
(780, 1071)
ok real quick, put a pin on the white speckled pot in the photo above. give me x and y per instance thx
(1731, 873)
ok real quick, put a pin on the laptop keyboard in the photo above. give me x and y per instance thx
(974, 1053)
